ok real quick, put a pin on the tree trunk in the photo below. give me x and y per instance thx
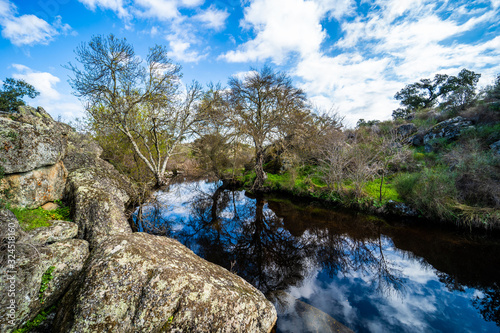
(259, 169)
(161, 180)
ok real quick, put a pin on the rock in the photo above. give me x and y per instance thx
(416, 140)
(448, 129)
(34, 188)
(144, 283)
(9, 227)
(98, 195)
(58, 231)
(39, 112)
(67, 258)
(82, 152)
(406, 130)
(30, 143)
(495, 147)
(50, 206)
(399, 209)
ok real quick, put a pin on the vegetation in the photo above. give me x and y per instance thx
(46, 278)
(137, 98)
(34, 218)
(40, 318)
(13, 92)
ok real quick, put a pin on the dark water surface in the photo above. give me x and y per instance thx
(318, 265)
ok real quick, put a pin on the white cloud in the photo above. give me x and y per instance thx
(115, 5)
(376, 52)
(179, 50)
(281, 27)
(28, 29)
(213, 18)
(65, 105)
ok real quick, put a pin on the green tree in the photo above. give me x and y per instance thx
(456, 92)
(138, 97)
(263, 104)
(11, 96)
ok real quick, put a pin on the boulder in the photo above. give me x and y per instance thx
(406, 130)
(39, 112)
(98, 196)
(33, 262)
(144, 283)
(34, 188)
(448, 129)
(81, 152)
(495, 147)
(9, 227)
(30, 142)
(56, 232)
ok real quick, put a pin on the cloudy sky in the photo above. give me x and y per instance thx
(352, 56)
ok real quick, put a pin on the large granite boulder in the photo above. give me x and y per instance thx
(448, 129)
(144, 283)
(40, 275)
(98, 196)
(56, 232)
(10, 230)
(30, 142)
(405, 130)
(82, 152)
(34, 188)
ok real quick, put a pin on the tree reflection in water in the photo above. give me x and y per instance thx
(276, 246)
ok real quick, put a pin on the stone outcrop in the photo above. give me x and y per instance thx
(57, 231)
(29, 142)
(62, 260)
(81, 152)
(34, 188)
(448, 129)
(144, 283)
(98, 196)
(406, 130)
(495, 147)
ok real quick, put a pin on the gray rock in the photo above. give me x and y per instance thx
(448, 129)
(98, 195)
(400, 209)
(9, 227)
(495, 147)
(39, 112)
(30, 142)
(67, 258)
(406, 130)
(81, 152)
(144, 283)
(58, 231)
(34, 188)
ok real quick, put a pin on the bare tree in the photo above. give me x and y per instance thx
(262, 104)
(140, 98)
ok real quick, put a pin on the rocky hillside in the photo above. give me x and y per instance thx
(99, 274)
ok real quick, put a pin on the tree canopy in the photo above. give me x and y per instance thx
(11, 96)
(455, 91)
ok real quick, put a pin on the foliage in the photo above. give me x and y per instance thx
(457, 93)
(11, 96)
(46, 278)
(34, 218)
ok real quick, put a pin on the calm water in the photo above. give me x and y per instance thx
(318, 265)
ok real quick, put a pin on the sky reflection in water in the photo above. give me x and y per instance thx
(367, 274)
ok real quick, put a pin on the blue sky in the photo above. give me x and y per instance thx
(350, 56)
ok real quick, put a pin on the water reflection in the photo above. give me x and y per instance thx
(369, 275)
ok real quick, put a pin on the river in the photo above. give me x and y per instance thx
(323, 268)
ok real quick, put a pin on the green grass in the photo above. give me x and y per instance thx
(35, 218)
(389, 191)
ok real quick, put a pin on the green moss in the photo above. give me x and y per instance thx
(35, 218)
(40, 318)
(389, 191)
(46, 278)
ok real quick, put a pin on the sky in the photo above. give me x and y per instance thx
(350, 57)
